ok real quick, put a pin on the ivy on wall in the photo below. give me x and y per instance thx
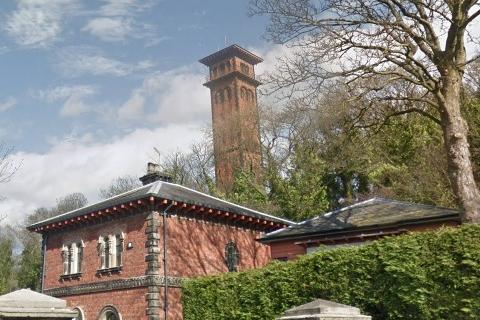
(430, 275)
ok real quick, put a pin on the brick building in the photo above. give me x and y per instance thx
(106, 259)
(235, 121)
(357, 224)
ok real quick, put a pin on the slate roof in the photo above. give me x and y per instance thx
(169, 191)
(373, 213)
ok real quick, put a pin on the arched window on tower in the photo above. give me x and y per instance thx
(243, 92)
(244, 68)
(228, 93)
(249, 95)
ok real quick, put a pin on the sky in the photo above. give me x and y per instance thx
(89, 88)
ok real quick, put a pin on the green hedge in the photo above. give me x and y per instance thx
(431, 275)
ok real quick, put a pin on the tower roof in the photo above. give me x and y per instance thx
(233, 50)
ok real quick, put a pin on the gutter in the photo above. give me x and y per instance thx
(44, 253)
(165, 259)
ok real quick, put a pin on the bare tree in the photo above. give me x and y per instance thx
(415, 49)
(70, 202)
(120, 185)
(194, 169)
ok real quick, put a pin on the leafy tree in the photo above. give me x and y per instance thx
(302, 193)
(6, 263)
(400, 56)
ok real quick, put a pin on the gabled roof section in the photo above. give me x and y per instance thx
(155, 196)
(372, 213)
(233, 50)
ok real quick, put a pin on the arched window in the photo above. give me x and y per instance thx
(119, 249)
(80, 313)
(244, 68)
(228, 93)
(232, 256)
(72, 256)
(109, 313)
(243, 92)
(108, 251)
(249, 95)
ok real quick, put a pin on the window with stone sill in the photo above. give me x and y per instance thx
(110, 251)
(72, 256)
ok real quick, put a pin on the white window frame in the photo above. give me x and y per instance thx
(108, 251)
(70, 256)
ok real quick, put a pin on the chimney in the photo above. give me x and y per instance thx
(154, 174)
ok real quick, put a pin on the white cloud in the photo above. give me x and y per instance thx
(110, 29)
(125, 7)
(38, 23)
(116, 21)
(83, 166)
(7, 104)
(77, 61)
(72, 97)
(176, 96)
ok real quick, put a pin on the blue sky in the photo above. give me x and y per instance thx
(90, 87)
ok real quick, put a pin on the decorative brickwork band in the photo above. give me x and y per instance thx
(128, 283)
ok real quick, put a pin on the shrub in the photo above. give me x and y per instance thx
(430, 275)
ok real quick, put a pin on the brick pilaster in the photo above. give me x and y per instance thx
(153, 264)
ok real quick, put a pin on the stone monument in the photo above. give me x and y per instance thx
(324, 310)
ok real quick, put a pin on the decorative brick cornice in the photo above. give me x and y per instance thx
(118, 284)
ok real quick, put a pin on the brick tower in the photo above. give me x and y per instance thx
(236, 133)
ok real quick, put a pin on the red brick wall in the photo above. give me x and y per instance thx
(198, 248)
(195, 248)
(133, 261)
(286, 249)
(130, 303)
(290, 250)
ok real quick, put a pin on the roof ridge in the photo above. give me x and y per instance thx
(350, 206)
(417, 203)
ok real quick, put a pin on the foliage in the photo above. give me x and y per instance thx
(6, 263)
(430, 275)
(30, 263)
(302, 194)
